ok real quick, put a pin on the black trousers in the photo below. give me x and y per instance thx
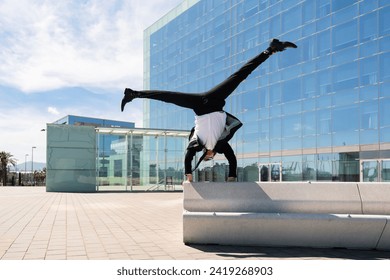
(212, 100)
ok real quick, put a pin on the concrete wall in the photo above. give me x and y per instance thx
(350, 215)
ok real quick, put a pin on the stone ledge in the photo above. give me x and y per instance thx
(262, 197)
(286, 229)
(350, 215)
(375, 197)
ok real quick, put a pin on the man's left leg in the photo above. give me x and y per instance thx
(224, 89)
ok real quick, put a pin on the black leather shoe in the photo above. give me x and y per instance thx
(129, 96)
(278, 46)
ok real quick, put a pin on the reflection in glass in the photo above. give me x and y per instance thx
(275, 172)
(370, 171)
(385, 172)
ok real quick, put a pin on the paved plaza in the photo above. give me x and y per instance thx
(36, 225)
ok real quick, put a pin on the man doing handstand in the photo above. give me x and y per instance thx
(213, 126)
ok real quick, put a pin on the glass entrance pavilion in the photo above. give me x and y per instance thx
(90, 159)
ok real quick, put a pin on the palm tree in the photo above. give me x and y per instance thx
(5, 160)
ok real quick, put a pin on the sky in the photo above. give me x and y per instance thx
(68, 57)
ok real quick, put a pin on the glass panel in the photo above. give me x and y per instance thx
(264, 130)
(264, 98)
(345, 138)
(369, 71)
(250, 100)
(338, 5)
(369, 137)
(308, 10)
(275, 172)
(275, 145)
(384, 44)
(344, 14)
(367, 6)
(345, 56)
(323, 122)
(323, 8)
(292, 168)
(369, 115)
(219, 171)
(368, 27)
(324, 102)
(368, 93)
(384, 90)
(275, 26)
(309, 86)
(264, 173)
(344, 35)
(370, 171)
(384, 112)
(292, 143)
(309, 49)
(250, 171)
(368, 48)
(346, 168)
(384, 136)
(346, 118)
(275, 128)
(384, 21)
(324, 167)
(275, 111)
(345, 76)
(345, 97)
(275, 94)
(309, 104)
(264, 146)
(309, 168)
(324, 82)
(309, 142)
(291, 90)
(324, 140)
(291, 19)
(292, 108)
(323, 43)
(292, 126)
(385, 171)
(384, 66)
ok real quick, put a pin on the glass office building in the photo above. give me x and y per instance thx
(319, 112)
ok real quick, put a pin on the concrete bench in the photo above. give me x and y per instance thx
(347, 215)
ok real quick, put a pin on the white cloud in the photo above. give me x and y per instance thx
(54, 44)
(47, 45)
(23, 131)
(53, 110)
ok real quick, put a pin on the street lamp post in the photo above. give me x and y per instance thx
(25, 166)
(32, 165)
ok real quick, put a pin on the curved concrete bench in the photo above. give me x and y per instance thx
(350, 215)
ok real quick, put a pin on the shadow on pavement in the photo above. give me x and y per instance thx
(245, 252)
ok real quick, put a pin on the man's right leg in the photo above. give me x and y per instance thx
(186, 100)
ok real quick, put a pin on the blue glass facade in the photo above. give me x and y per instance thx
(319, 112)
